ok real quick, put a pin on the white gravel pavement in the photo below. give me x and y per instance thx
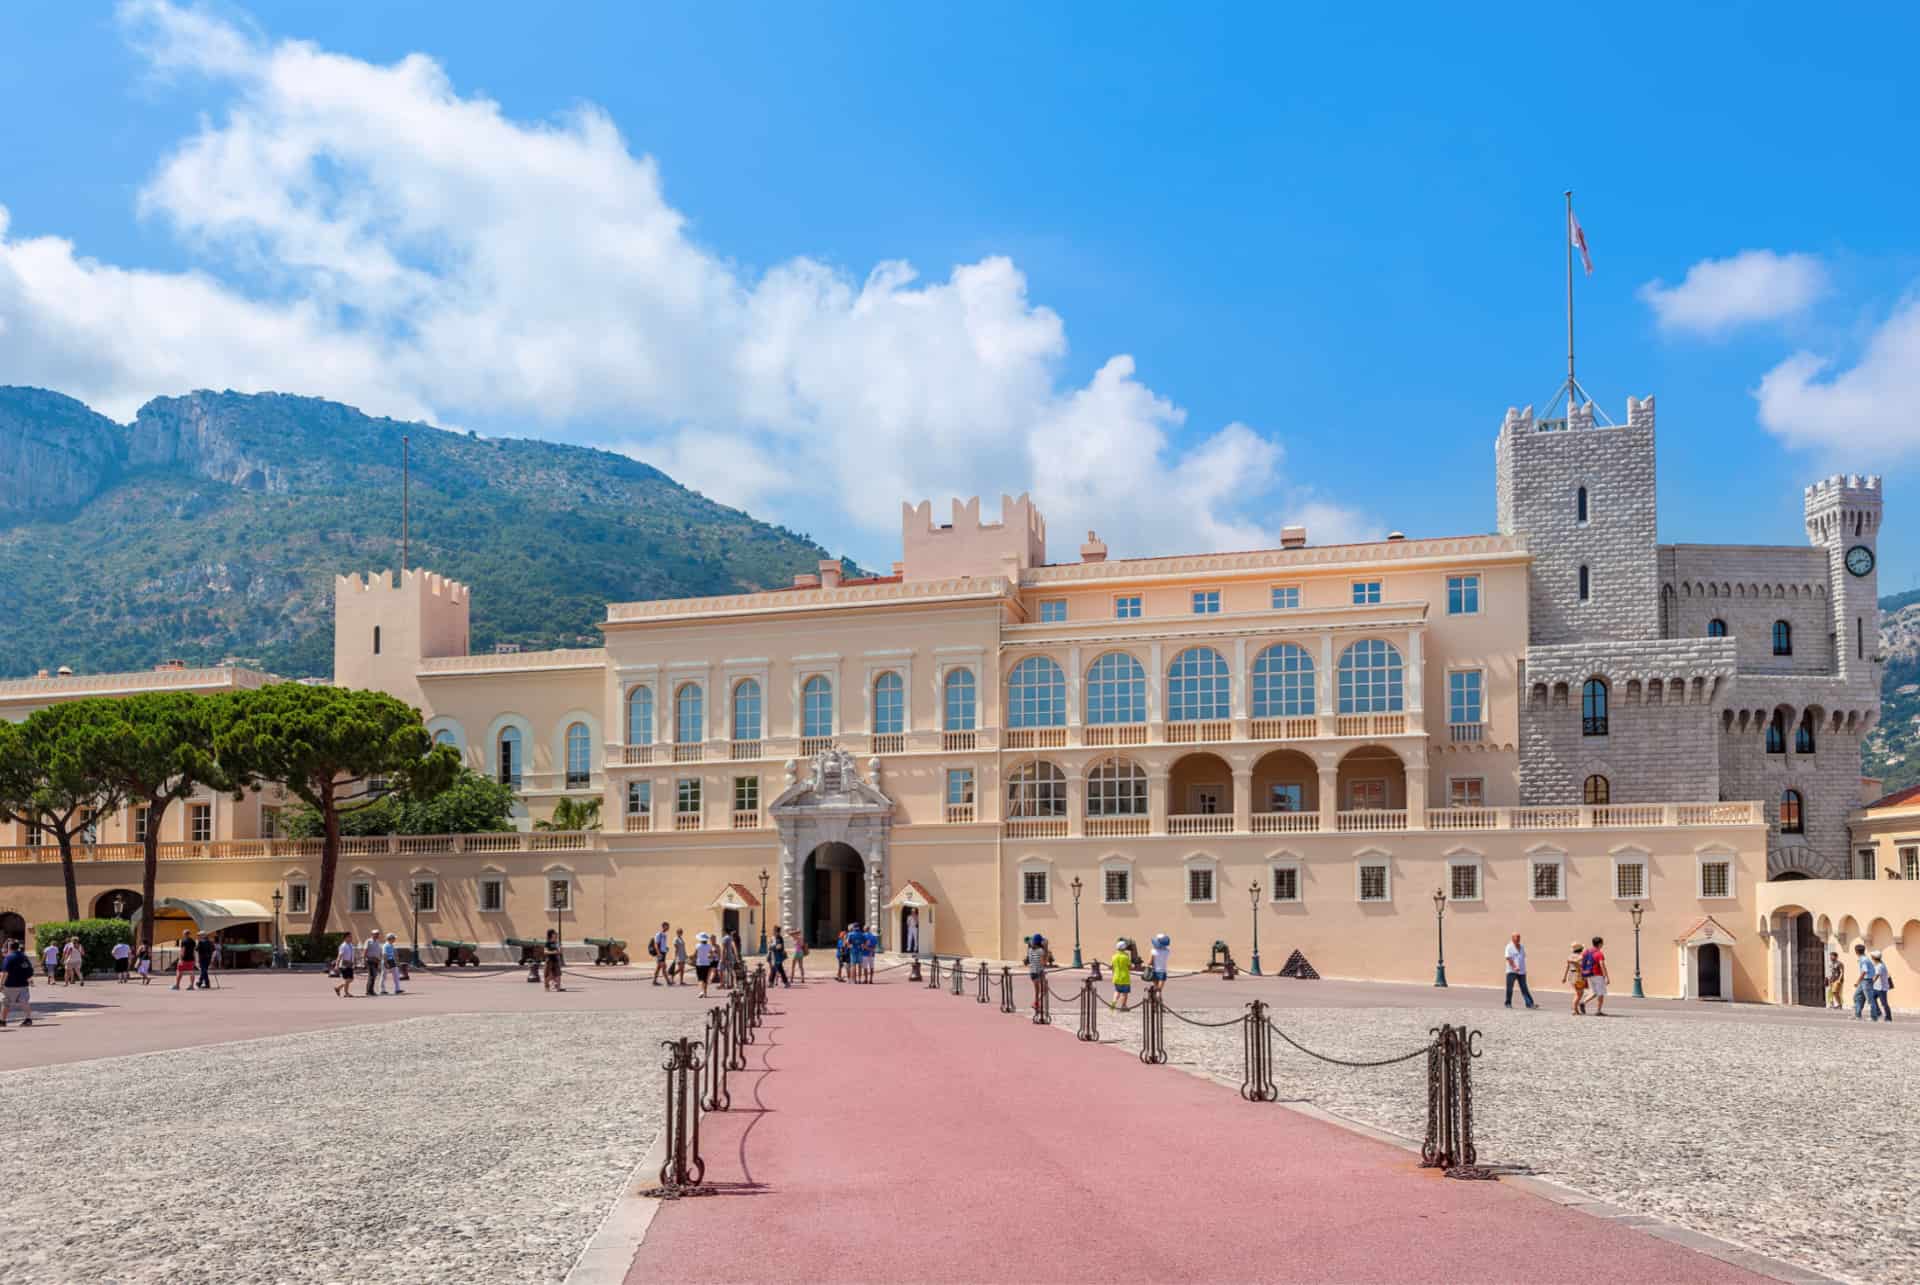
(1799, 1140)
(439, 1149)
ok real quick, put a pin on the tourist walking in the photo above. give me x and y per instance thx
(1157, 962)
(122, 960)
(390, 963)
(16, 984)
(1863, 987)
(799, 957)
(1836, 979)
(143, 964)
(74, 959)
(203, 952)
(1882, 985)
(679, 957)
(50, 961)
(1517, 971)
(1038, 958)
(1122, 974)
(183, 966)
(343, 968)
(777, 960)
(657, 947)
(1574, 975)
(370, 960)
(703, 961)
(840, 957)
(552, 954)
(1594, 965)
(728, 959)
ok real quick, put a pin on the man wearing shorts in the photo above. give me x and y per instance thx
(343, 964)
(16, 977)
(660, 955)
(122, 959)
(1594, 965)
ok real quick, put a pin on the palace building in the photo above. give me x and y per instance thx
(1368, 751)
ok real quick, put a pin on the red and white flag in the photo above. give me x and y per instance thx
(1577, 235)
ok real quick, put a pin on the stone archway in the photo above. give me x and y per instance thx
(832, 807)
(833, 892)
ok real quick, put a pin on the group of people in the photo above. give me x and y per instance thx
(66, 961)
(378, 958)
(1585, 972)
(1125, 962)
(201, 953)
(715, 957)
(853, 953)
(1873, 985)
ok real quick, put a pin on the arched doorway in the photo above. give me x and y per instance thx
(117, 904)
(833, 892)
(13, 928)
(1809, 964)
(1710, 971)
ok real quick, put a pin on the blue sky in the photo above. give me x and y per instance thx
(1329, 244)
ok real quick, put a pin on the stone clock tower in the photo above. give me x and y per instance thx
(1843, 518)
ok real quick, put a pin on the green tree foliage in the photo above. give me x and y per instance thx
(572, 814)
(97, 937)
(50, 778)
(154, 749)
(470, 804)
(327, 745)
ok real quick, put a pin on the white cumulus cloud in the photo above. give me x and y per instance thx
(1752, 286)
(1861, 411)
(368, 233)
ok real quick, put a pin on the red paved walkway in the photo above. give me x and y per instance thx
(895, 1133)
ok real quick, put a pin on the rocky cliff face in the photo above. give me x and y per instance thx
(54, 452)
(207, 435)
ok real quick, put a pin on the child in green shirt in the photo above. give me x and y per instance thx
(1122, 974)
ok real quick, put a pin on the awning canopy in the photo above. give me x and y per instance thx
(912, 895)
(211, 916)
(734, 896)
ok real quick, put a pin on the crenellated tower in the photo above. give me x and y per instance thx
(382, 630)
(1843, 520)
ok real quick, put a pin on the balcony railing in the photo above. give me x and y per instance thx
(958, 742)
(1370, 724)
(1114, 734)
(1466, 733)
(747, 820)
(385, 845)
(812, 745)
(889, 743)
(1036, 738)
(689, 821)
(690, 752)
(1037, 828)
(632, 755)
(738, 750)
(959, 814)
(1285, 822)
(1292, 728)
(1208, 730)
(639, 822)
(1117, 827)
(1200, 823)
(1363, 819)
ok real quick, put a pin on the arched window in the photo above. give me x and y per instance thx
(1283, 682)
(1117, 788)
(1037, 790)
(640, 716)
(445, 737)
(1371, 678)
(579, 756)
(1116, 690)
(1790, 822)
(1803, 735)
(962, 701)
(1776, 734)
(1580, 505)
(1586, 584)
(689, 715)
(816, 706)
(507, 756)
(1036, 694)
(1716, 628)
(1782, 638)
(889, 704)
(746, 710)
(1593, 707)
(1199, 685)
(1596, 790)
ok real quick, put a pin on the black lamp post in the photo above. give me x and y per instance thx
(1075, 885)
(279, 946)
(1637, 910)
(763, 910)
(1253, 895)
(1439, 937)
(416, 924)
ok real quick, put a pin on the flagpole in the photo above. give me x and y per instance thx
(1571, 385)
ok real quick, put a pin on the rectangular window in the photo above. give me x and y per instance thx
(426, 896)
(1053, 611)
(1373, 883)
(1206, 602)
(1630, 880)
(1463, 696)
(1467, 792)
(33, 836)
(746, 794)
(296, 899)
(269, 823)
(686, 799)
(1033, 887)
(559, 894)
(639, 798)
(1117, 886)
(140, 816)
(1367, 794)
(200, 823)
(1286, 597)
(359, 897)
(959, 785)
(1910, 863)
(1127, 607)
(1463, 883)
(1284, 798)
(1463, 595)
(1200, 883)
(493, 896)
(1546, 881)
(1868, 858)
(1716, 878)
(1366, 593)
(1286, 883)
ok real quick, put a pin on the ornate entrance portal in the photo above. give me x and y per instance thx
(834, 830)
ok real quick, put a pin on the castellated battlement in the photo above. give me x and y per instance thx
(966, 546)
(384, 626)
(1579, 418)
(429, 583)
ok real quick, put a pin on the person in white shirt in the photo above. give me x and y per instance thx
(51, 955)
(390, 964)
(370, 959)
(74, 961)
(343, 965)
(660, 956)
(122, 957)
(703, 961)
(1882, 983)
(1157, 962)
(1517, 971)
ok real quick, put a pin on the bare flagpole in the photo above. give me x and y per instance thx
(1568, 237)
(406, 474)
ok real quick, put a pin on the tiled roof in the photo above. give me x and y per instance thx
(1909, 795)
(1699, 928)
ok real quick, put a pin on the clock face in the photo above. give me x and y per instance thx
(1859, 559)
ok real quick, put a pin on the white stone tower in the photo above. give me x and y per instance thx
(1843, 518)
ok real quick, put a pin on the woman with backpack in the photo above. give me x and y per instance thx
(1575, 976)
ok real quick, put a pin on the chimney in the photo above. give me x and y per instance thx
(900, 569)
(1293, 537)
(830, 573)
(804, 581)
(1094, 550)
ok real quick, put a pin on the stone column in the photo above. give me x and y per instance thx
(1156, 703)
(1076, 801)
(1239, 689)
(1325, 685)
(1329, 797)
(1157, 781)
(1416, 796)
(1242, 800)
(1416, 685)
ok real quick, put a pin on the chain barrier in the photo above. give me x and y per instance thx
(985, 985)
(1153, 1031)
(957, 975)
(1256, 1042)
(718, 1056)
(1449, 1143)
(1006, 988)
(685, 1170)
(1340, 1061)
(1089, 1031)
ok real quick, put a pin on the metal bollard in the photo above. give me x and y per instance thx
(933, 982)
(914, 976)
(959, 975)
(1257, 1044)
(1006, 988)
(1043, 1010)
(1089, 1031)
(718, 1055)
(1153, 1031)
(984, 986)
(1449, 1142)
(684, 1169)
(742, 1029)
